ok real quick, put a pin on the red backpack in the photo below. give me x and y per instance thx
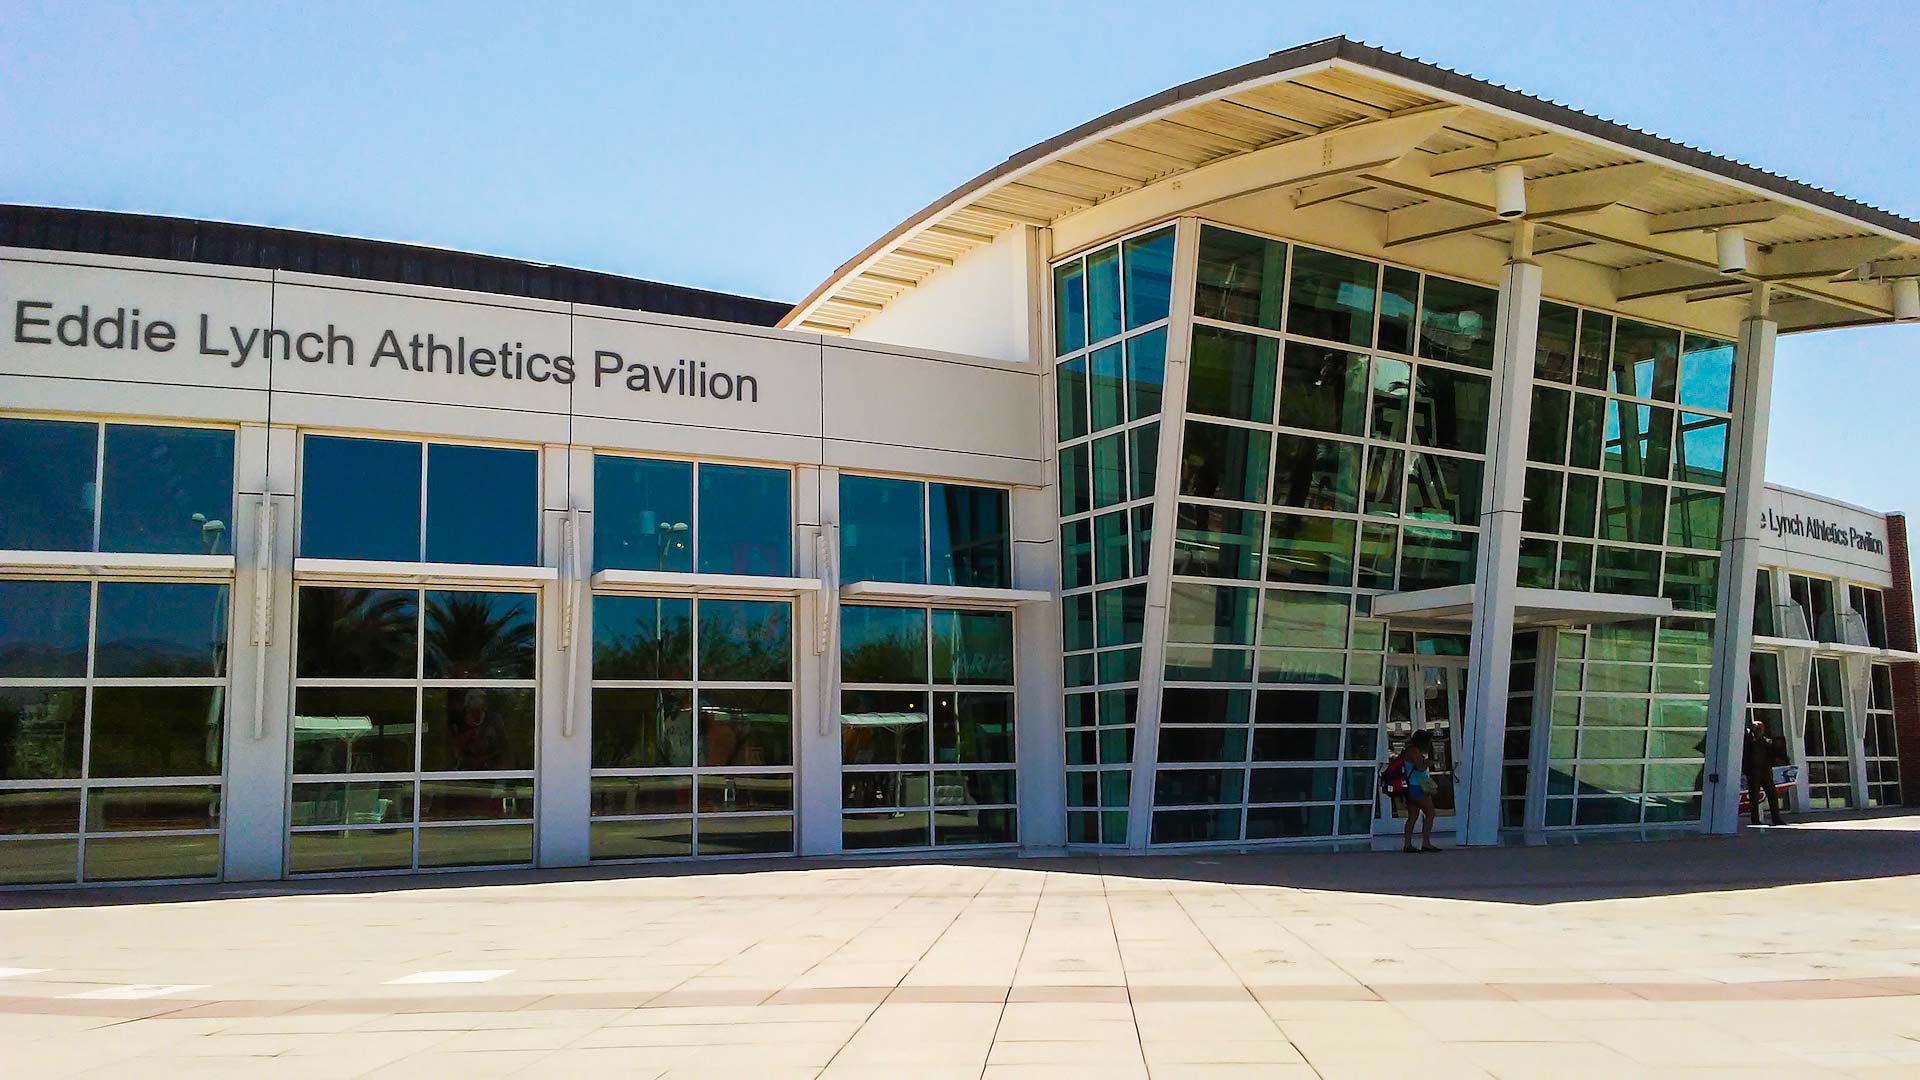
(1393, 778)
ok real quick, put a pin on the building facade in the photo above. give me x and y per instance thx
(1146, 492)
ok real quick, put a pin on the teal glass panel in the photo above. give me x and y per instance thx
(883, 644)
(1693, 519)
(1332, 297)
(744, 641)
(1103, 294)
(1690, 641)
(1242, 278)
(1443, 488)
(1310, 550)
(1149, 269)
(1538, 563)
(1323, 389)
(1589, 426)
(1638, 439)
(1302, 666)
(1700, 457)
(360, 499)
(1143, 454)
(1386, 477)
(1205, 705)
(1558, 338)
(1627, 571)
(1200, 664)
(643, 514)
(1110, 551)
(1392, 382)
(43, 628)
(969, 536)
(1076, 554)
(48, 481)
(1076, 622)
(1318, 474)
(1202, 614)
(483, 504)
(746, 520)
(1379, 549)
(1431, 558)
(1540, 506)
(1070, 398)
(1457, 322)
(1076, 479)
(641, 637)
(158, 631)
(1217, 541)
(1300, 619)
(1646, 360)
(1399, 305)
(1191, 745)
(1146, 372)
(1450, 410)
(1628, 641)
(1706, 373)
(1201, 787)
(170, 489)
(1069, 307)
(1692, 581)
(1142, 538)
(1595, 350)
(1547, 429)
(1220, 462)
(1107, 382)
(1109, 470)
(882, 530)
(1119, 615)
(1232, 374)
(1632, 512)
(1282, 822)
(1119, 665)
(975, 648)
(1582, 505)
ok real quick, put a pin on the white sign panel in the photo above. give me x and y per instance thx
(1819, 536)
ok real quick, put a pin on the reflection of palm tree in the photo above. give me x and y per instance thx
(357, 631)
(468, 639)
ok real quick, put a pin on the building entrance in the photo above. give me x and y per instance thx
(1426, 695)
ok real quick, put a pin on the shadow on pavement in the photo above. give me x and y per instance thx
(1849, 847)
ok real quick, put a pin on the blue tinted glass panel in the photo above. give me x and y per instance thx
(479, 635)
(1706, 373)
(745, 640)
(47, 485)
(642, 514)
(882, 530)
(167, 490)
(483, 505)
(970, 538)
(43, 629)
(161, 631)
(640, 637)
(883, 644)
(1149, 261)
(1103, 294)
(360, 499)
(1069, 307)
(746, 520)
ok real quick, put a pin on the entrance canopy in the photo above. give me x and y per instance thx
(1419, 164)
(1451, 608)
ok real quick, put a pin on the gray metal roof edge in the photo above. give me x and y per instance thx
(1419, 71)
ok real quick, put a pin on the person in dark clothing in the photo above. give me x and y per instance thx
(1757, 755)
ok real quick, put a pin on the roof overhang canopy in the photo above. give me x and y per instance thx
(1451, 608)
(1414, 146)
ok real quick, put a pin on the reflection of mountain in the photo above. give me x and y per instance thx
(156, 658)
(38, 659)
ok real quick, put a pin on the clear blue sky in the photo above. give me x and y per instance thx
(752, 148)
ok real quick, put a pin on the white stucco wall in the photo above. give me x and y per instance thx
(982, 305)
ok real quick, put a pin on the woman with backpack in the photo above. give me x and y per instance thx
(1408, 777)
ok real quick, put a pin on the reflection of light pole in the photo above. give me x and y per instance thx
(211, 530)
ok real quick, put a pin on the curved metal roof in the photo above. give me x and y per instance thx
(1649, 206)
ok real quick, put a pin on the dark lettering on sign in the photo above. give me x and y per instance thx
(124, 329)
(1815, 528)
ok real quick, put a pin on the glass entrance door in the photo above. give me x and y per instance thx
(1422, 697)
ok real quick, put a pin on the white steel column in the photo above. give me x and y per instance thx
(1040, 749)
(259, 658)
(816, 682)
(1166, 499)
(566, 657)
(1497, 564)
(1739, 559)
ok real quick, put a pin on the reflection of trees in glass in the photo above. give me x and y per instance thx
(357, 632)
(479, 636)
(647, 651)
(745, 640)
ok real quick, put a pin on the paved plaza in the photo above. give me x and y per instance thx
(1793, 951)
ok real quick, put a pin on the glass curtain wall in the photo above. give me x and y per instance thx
(1110, 343)
(1334, 442)
(1829, 746)
(1517, 755)
(113, 694)
(1625, 492)
(1882, 750)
